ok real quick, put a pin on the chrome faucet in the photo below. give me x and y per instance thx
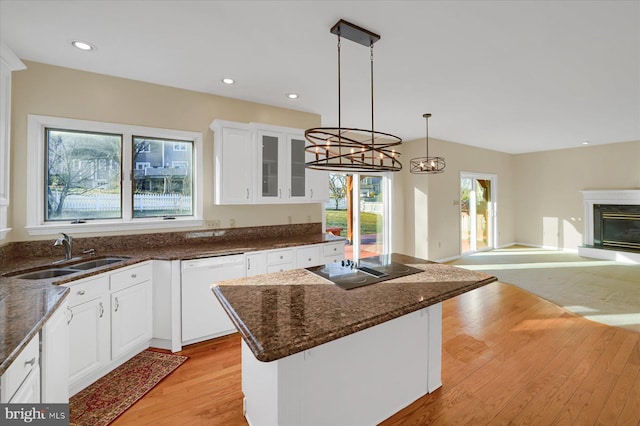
(67, 242)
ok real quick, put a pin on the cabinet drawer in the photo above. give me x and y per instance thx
(130, 276)
(333, 249)
(281, 267)
(89, 289)
(308, 256)
(28, 360)
(279, 256)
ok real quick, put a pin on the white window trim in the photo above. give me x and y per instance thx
(36, 224)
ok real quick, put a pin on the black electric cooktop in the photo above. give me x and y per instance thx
(370, 270)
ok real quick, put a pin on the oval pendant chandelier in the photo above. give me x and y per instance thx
(427, 165)
(348, 149)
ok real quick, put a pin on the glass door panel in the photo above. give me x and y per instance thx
(371, 214)
(297, 176)
(269, 166)
(465, 214)
(477, 219)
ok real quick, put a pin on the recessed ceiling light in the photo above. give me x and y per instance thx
(586, 143)
(292, 95)
(82, 45)
(228, 81)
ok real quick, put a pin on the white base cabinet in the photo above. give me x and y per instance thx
(89, 339)
(110, 322)
(54, 356)
(20, 383)
(131, 318)
(360, 379)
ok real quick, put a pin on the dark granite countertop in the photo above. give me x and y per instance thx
(288, 312)
(25, 305)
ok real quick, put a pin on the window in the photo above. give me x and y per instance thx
(91, 176)
(161, 190)
(82, 175)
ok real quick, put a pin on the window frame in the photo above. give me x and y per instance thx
(36, 225)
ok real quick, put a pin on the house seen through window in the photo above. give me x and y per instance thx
(84, 171)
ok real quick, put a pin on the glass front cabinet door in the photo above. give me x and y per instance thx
(297, 171)
(270, 166)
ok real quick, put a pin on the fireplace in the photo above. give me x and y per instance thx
(616, 226)
(612, 225)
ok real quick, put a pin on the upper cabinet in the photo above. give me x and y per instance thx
(9, 62)
(234, 156)
(276, 154)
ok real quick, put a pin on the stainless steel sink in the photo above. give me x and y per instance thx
(46, 273)
(68, 269)
(96, 263)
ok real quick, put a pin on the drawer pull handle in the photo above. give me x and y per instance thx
(248, 264)
(133, 275)
(117, 304)
(101, 310)
(31, 362)
(81, 292)
(247, 193)
(71, 317)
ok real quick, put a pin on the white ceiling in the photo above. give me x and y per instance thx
(517, 76)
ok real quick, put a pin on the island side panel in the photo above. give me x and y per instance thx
(359, 379)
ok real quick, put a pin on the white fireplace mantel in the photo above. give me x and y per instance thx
(615, 196)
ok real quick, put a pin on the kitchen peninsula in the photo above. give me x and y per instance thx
(313, 353)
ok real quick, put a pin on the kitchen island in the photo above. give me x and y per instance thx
(313, 353)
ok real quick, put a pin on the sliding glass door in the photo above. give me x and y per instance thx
(359, 209)
(477, 212)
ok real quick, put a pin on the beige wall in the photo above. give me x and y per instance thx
(431, 202)
(548, 204)
(63, 92)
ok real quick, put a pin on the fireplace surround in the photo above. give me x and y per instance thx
(612, 225)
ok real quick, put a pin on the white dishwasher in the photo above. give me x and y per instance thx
(202, 315)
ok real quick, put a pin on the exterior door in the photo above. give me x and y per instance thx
(359, 209)
(477, 212)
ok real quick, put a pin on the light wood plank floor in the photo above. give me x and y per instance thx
(509, 357)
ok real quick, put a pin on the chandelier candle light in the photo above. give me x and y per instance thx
(352, 149)
(427, 165)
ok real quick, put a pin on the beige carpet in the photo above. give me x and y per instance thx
(600, 290)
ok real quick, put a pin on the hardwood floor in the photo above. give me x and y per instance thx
(508, 357)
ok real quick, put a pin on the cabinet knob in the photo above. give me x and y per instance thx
(309, 259)
(81, 292)
(134, 275)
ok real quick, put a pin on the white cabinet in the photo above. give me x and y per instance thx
(308, 256)
(333, 252)
(131, 318)
(281, 260)
(55, 356)
(8, 62)
(256, 263)
(89, 339)
(234, 155)
(111, 320)
(20, 383)
(276, 154)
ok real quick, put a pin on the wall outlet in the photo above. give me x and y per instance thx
(212, 223)
(232, 223)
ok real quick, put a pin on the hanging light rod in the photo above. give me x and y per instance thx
(427, 165)
(346, 148)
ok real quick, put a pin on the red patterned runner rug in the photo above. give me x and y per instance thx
(103, 401)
